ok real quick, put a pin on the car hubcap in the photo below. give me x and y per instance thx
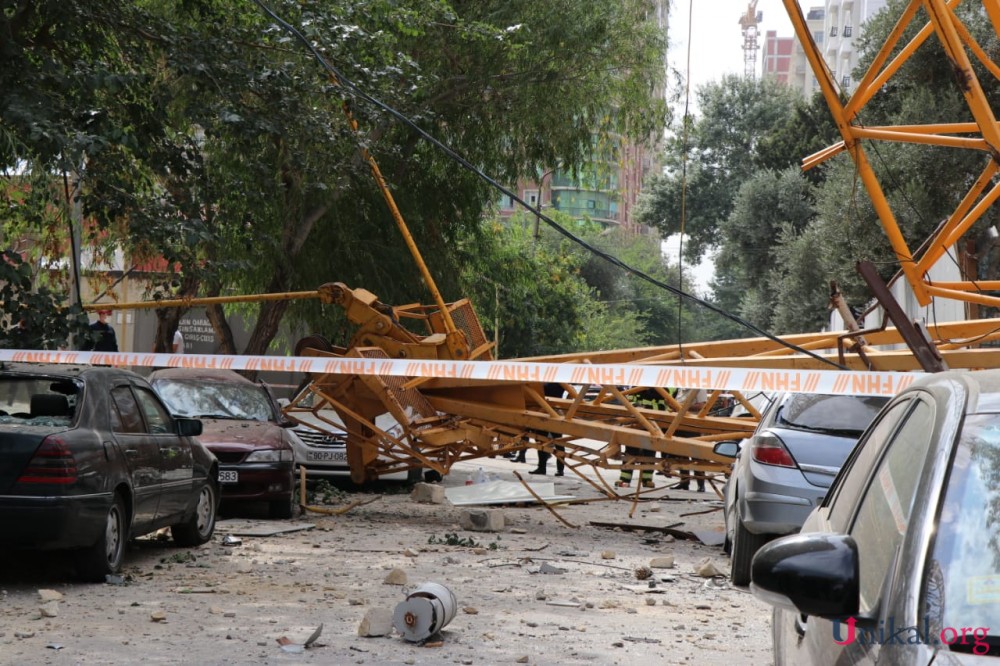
(113, 534)
(204, 510)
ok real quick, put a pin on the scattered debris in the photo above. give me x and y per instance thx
(287, 645)
(568, 603)
(395, 577)
(158, 616)
(547, 568)
(504, 492)
(230, 540)
(642, 573)
(245, 527)
(49, 595)
(608, 555)
(428, 493)
(54, 646)
(662, 562)
(114, 579)
(426, 610)
(469, 610)
(50, 609)
(376, 622)
(629, 527)
(706, 568)
(640, 639)
(482, 520)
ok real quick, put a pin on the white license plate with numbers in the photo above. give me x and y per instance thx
(229, 476)
(326, 456)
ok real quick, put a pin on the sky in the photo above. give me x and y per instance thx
(716, 49)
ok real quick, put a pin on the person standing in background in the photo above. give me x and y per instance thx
(178, 346)
(102, 336)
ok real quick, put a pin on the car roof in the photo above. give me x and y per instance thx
(200, 374)
(68, 371)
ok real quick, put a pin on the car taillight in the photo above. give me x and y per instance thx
(53, 462)
(768, 450)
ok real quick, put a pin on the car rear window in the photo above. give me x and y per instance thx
(846, 414)
(38, 400)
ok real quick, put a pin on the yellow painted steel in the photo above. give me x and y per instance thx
(956, 41)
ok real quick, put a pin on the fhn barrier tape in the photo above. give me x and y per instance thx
(698, 377)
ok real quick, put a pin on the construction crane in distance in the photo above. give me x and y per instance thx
(748, 26)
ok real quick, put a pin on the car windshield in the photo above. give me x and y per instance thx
(218, 400)
(830, 413)
(42, 401)
(962, 581)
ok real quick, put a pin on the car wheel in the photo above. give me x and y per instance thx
(282, 509)
(199, 527)
(432, 476)
(745, 546)
(106, 555)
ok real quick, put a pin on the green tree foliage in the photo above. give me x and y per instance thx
(209, 137)
(35, 316)
(723, 149)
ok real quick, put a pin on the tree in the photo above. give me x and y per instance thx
(706, 168)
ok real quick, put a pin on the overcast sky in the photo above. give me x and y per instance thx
(716, 49)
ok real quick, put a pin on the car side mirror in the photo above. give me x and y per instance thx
(727, 449)
(814, 573)
(188, 427)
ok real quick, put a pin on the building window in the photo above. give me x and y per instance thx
(845, 82)
(531, 196)
(833, 31)
(506, 202)
(591, 204)
(847, 31)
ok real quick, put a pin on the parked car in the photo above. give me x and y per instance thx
(785, 468)
(321, 445)
(901, 562)
(90, 457)
(243, 427)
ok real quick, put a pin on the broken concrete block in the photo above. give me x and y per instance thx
(706, 568)
(50, 609)
(482, 520)
(662, 562)
(376, 622)
(49, 595)
(428, 493)
(396, 577)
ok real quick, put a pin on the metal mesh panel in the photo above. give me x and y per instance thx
(466, 320)
(411, 398)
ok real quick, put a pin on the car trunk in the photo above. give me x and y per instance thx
(813, 450)
(17, 447)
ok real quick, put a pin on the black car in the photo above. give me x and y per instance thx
(243, 427)
(91, 458)
(901, 563)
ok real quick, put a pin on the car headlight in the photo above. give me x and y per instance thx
(270, 455)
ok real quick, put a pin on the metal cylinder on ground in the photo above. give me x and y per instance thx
(426, 611)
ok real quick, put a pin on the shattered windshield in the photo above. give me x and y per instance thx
(218, 400)
(34, 400)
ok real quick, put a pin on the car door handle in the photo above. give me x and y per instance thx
(131, 453)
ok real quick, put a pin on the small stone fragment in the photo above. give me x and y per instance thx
(482, 520)
(376, 622)
(396, 577)
(50, 609)
(469, 610)
(428, 493)
(49, 595)
(24, 633)
(523, 659)
(662, 562)
(410, 552)
(158, 616)
(706, 568)
(608, 555)
(650, 601)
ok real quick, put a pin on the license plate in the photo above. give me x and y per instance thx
(326, 456)
(228, 476)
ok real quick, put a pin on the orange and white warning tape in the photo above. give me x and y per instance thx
(699, 377)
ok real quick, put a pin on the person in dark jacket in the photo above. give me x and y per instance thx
(551, 390)
(103, 333)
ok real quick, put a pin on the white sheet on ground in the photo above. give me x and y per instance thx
(502, 492)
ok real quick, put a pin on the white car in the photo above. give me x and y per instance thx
(322, 449)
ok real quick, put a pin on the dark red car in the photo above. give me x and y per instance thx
(242, 426)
